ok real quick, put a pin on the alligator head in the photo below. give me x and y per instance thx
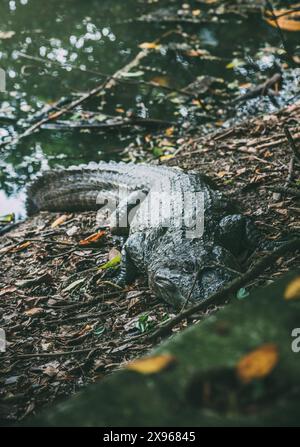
(192, 275)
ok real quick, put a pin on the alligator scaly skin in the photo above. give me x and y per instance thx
(179, 268)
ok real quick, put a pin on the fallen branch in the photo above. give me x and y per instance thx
(56, 354)
(264, 89)
(125, 81)
(57, 114)
(220, 296)
(110, 124)
(292, 144)
(107, 84)
(285, 190)
(284, 42)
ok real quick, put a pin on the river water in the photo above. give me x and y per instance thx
(77, 41)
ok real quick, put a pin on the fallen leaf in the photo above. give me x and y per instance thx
(287, 20)
(21, 247)
(60, 220)
(113, 262)
(72, 231)
(149, 46)
(258, 363)
(33, 311)
(7, 218)
(93, 239)
(197, 53)
(169, 131)
(196, 12)
(113, 252)
(6, 34)
(73, 285)
(242, 293)
(166, 157)
(235, 63)
(8, 289)
(164, 81)
(50, 371)
(292, 291)
(152, 365)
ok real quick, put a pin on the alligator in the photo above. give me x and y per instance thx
(185, 260)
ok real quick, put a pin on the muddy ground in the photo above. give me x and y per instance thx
(67, 323)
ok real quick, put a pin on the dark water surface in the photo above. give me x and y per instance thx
(100, 36)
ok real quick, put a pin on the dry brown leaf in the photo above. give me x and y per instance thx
(258, 363)
(21, 247)
(60, 220)
(33, 311)
(6, 34)
(196, 12)
(51, 371)
(93, 239)
(286, 20)
(292, 291)
(152, 365)
(197, 53)
(7, 290)
(164, 81)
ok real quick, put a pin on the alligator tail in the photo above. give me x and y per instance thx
(78, 189)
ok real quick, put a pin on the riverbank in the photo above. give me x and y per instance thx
(68, 324)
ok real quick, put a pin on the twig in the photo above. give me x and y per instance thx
(220, 296)
(263, 89)
(103, 75)
(290, 171)
(107, 84)
(292, 143)
(281, 35)
(56, 115)
(126, 122)
(56, 354)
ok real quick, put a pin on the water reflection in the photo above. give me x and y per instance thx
(76, 42)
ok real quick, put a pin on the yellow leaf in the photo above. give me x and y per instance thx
(164, 81)
(149, 46)
(59, 221)
(169, 131)
(286, 19)
(93, 239)
(152, 365)
(196, 12)
(166, 157)
(258, 363)
(292, 291)
(196, 102)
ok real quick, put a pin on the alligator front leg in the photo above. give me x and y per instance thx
(239, 234)
(128, 272)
